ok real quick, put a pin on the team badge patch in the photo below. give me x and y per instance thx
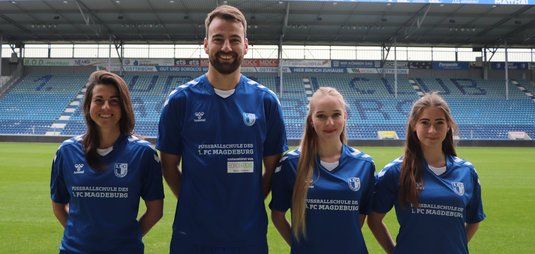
(458, 187)
(354, 183)
(120, 169)
(249, 119)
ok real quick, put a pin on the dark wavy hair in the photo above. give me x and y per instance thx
(91, 139)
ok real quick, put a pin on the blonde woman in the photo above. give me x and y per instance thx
(326, 184)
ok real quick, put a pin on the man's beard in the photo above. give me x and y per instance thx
(225, 68)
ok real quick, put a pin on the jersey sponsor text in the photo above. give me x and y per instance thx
(99, 192)
(332, 204)
(439, 210)
(225, 149)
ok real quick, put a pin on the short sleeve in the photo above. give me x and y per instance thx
(475, 212)
(282, 187)
(386, 190)
(58, 188)
(152, 186)
(171, 122)
(276, 142)
(365, 206)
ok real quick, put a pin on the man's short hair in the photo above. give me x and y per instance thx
(229, 13)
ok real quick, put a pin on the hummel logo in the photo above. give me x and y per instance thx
(198, 117)
(79, 169)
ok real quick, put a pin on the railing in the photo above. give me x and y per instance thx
(271, 52)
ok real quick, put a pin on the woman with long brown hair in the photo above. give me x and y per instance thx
(99, 177)
(326, 184)
(436, 194)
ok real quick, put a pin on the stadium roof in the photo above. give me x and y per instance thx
(294, 22)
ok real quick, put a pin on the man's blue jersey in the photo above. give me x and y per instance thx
(103, 205)
(447, 202)
(222, 142)
(335, 201)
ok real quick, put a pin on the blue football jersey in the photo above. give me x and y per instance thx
(447, 202)
(222, 142)
(103, 205)
(335, 201)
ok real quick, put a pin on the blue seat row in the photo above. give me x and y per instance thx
(479, 106)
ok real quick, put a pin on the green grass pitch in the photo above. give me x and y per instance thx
(507, 176)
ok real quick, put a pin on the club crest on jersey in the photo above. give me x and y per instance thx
(78, 168)
(249, 119)
(354, 183)
(199, 117)
(458, 187)
(120, 169)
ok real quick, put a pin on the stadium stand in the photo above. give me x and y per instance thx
(32, 105)
(42, 103)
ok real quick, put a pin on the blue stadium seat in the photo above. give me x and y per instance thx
(479, 106)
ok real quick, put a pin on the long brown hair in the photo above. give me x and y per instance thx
(309, 152)
(91, 139)
(226, 12)
(411, 167)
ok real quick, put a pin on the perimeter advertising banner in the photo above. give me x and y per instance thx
(264, 69)
(306, 63)
(148, 61)
(260, 63)
(245, 63)
(404, 71)
(355, 64)
(61, 62)
(317, 70)
(182, 68)
(130, 68)
(265, 65)
(400, 64)
(510, 66)
(421, 65)
(191, 62)
(451, 65)
(97, 62)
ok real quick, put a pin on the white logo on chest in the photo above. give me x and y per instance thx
(78, 168)
(199, 117)
(458, 187)
(120, 169)
(354, 183)
(249, 119)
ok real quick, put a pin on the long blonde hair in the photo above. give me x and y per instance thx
(411, 167)
(307, 161)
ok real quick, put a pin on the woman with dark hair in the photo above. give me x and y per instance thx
(98, 178)
(436, 194)
(326, 184)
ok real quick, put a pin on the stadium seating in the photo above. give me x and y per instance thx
(39, 101)
(32, 105)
